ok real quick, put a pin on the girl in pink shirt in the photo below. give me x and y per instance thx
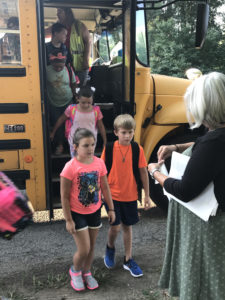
(81, 115)
(82, 180)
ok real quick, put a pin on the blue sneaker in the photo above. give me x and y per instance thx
(133, 267)
(109, 258)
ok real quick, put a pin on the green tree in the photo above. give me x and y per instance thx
(172, 37)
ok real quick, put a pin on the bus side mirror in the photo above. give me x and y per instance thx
(201, 24)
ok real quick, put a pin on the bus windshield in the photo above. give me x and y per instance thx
(110, 46)
(141, 44)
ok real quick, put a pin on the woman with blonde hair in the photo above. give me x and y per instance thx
(194, 263)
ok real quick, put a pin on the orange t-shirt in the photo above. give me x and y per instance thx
(121, 178)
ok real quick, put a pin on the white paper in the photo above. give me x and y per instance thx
(205, 204)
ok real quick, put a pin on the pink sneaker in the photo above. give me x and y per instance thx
(90, 281)
(76, 280)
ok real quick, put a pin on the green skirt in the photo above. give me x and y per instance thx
(194, 263)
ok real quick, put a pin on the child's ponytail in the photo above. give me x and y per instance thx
(85, 91)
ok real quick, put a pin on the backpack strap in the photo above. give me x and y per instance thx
(109, 156)
(69, 70)
(135, 161)
(69, 121)
(73, 108)
(96, 112)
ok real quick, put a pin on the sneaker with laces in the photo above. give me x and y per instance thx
(90, 281)
(133, 267)
(109, 258)
(76, 282)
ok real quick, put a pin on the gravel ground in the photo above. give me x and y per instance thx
(35, 263)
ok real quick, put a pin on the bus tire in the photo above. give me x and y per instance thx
(155, 190)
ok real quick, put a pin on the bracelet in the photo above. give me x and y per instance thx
(111, 209)
(177, 148)
(152, 172)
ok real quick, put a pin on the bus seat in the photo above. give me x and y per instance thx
(115, 80)
(99, 78)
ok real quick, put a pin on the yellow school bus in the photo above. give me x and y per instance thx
(123, 82)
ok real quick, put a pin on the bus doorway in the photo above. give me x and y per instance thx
(106, 73)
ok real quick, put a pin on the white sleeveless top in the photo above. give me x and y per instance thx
(83, 120)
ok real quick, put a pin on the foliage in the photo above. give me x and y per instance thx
(171, 35)
(141, 47)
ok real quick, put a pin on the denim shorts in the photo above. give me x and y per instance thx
(126, 212)
(92, 221)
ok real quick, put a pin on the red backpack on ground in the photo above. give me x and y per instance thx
(15, 214)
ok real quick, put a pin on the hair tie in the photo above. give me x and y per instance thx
(93, 89)
(77, 90)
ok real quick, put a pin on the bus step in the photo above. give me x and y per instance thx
(63, 155)
(56, 203)
(55, 178)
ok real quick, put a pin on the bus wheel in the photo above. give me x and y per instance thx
(155, 190)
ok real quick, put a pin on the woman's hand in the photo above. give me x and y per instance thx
(70, 227)
(153, 166)
(111, 216)
(165, 151)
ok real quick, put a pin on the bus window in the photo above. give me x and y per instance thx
(141, 45)
(10, 52)
(103, 47)
(110, 45)
(115, 44)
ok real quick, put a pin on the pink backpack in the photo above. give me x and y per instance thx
(69, 121)
(15, 213)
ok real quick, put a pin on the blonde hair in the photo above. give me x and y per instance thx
(124, 121)
(205, 101)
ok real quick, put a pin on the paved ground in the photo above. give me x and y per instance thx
(34, 264)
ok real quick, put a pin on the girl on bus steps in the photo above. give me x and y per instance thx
(82, 180)
(81, 115)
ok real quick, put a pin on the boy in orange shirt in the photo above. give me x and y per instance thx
(123, 185)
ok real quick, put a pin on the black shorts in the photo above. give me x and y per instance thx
(92, 221)
(126, 212)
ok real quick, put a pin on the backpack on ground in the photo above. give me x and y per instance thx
(15, 213)
(135, 160)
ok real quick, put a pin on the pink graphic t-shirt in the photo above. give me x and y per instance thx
(85, 193)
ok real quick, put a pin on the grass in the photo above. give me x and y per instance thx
(14, 294)
(59, 280)
(102, 275)
(152, 294)
(52, 281)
